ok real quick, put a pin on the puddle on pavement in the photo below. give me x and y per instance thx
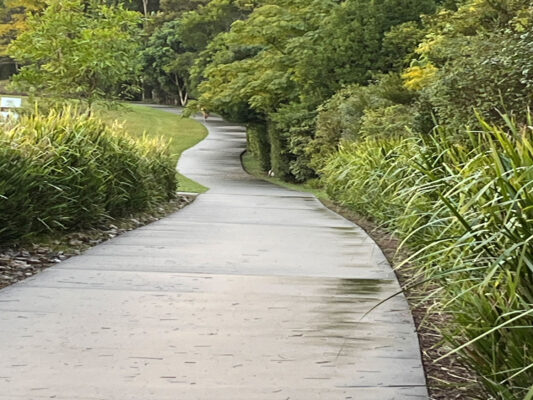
(345, 301)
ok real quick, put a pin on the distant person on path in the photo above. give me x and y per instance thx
(205, 113)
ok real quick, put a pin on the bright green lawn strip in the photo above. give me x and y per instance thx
(182, 132)
(252, 166)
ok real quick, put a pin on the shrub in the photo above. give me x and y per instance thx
(478, 58)
(291, 130)
(490, 73)
(368, 174)
(66, 170)
(341, 117)
(259, 145)
(395, 120)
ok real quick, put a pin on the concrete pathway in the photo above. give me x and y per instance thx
(251, 292)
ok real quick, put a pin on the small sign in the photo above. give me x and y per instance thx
(10, 102)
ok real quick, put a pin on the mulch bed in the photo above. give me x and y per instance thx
(448, 378)
(22, 260)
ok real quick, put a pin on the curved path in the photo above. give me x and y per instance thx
(251, 292)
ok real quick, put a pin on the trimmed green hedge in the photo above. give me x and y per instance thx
(259, 144)
(66, 169)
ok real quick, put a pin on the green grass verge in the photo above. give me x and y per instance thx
(252, 166)
(182, 133)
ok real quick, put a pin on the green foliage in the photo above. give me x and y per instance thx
(68, 170)
(465, 207)
(140, 122)
(175, 45)
(200, 26)
(368, 174)
(292, 128)
(280, 157)
(478, 58)
(348, 47)
(167, 62)
(300, 51)
(258, 145)
(396, 120)
(342, 116)
(249, 66)
(399, 45)
(489, 73)
(173, 9)
(78, 50)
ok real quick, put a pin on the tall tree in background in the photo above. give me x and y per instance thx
(13, 16)
(255, 63)
(167, 62)
(75, 50)
(174, 9)
(174, 46)
(288, 57)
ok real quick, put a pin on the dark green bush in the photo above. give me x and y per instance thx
(259, 145)
(68, 170)
(291, 130)
(342, 116)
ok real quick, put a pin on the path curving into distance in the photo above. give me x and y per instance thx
(251, 292)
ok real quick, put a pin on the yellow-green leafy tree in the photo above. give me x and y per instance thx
(75, 50)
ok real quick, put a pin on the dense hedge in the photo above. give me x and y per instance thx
(67, 170)
(466, 208)
(291, 129)
(259, 144)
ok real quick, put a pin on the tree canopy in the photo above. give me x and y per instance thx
(79, 50)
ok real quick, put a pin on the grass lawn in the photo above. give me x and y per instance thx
(182, 132)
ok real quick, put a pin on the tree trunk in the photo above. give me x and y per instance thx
(184, 96)
(182, 90)
(145, 8)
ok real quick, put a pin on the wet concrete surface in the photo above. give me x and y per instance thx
(251, 292)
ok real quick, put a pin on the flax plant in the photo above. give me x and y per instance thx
(464, 207)
(68, 169)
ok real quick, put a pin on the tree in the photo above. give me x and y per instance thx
(175, 8)
(348, 47)
(304, 51)
(13, 14)
(174, 46)
(255, 62)
(289, 56)
(200, 26)
(78, 50)
(167, 62)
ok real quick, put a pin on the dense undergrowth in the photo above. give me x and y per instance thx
(68, 169)
(466, 210)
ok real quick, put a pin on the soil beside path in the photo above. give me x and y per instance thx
(251, 292)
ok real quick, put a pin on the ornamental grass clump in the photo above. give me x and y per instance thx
(484, 252)
(68, 169)
(464, 206)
